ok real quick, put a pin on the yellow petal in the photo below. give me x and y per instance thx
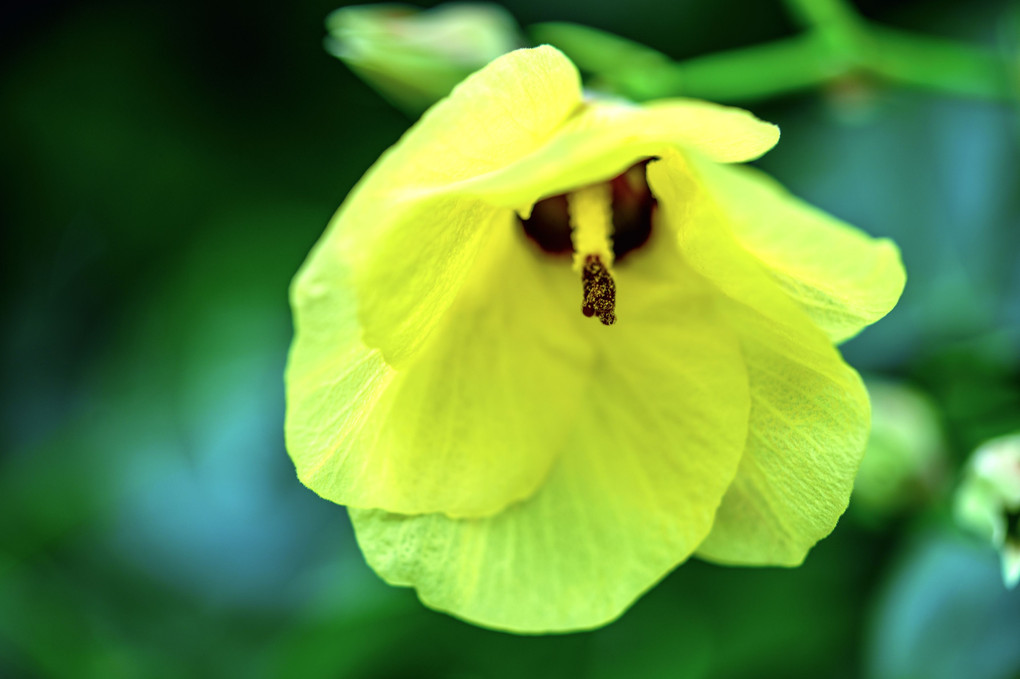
(408, 248)
(809, 411)
(631, 497)
(842, 277)
(606, 138)
(475, 425)
(809, 425)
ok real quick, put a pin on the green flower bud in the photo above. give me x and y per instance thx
(988, 500)
(904, 463)
(414, 57)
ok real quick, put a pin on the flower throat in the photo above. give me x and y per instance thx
(600, 224)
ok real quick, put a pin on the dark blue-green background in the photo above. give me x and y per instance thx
(165, 169)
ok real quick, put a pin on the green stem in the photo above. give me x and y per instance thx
(593, 50)
(747, 74)
(835, 16)
(836, 44)
(940, 65)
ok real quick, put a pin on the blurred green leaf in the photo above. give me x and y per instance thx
(926, 627)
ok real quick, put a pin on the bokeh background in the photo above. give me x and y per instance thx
(166, 167)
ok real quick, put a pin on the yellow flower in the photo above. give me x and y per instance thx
(525, 467)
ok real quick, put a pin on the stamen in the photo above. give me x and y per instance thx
(591, 219)
(633, 210)
(599, 291)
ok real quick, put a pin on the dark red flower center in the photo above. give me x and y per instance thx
(633, 210)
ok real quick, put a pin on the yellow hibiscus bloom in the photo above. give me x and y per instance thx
(530, 469)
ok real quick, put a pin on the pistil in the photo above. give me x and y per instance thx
(591, 221)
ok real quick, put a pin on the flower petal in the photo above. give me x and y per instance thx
(631, 497)
(475, 425)
(844, 279)
(606, 138)
(408, 246)
(810, 414)
(809, 425)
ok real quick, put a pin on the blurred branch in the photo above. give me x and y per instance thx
(940, 65)
(830, 16)
(1009, 50)
(837, 43)
(594, 50)
(750, 73)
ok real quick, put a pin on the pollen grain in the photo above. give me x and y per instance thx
(599, 291)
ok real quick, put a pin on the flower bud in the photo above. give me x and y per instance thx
(988, 500)
(414, 57)
(904, 464)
